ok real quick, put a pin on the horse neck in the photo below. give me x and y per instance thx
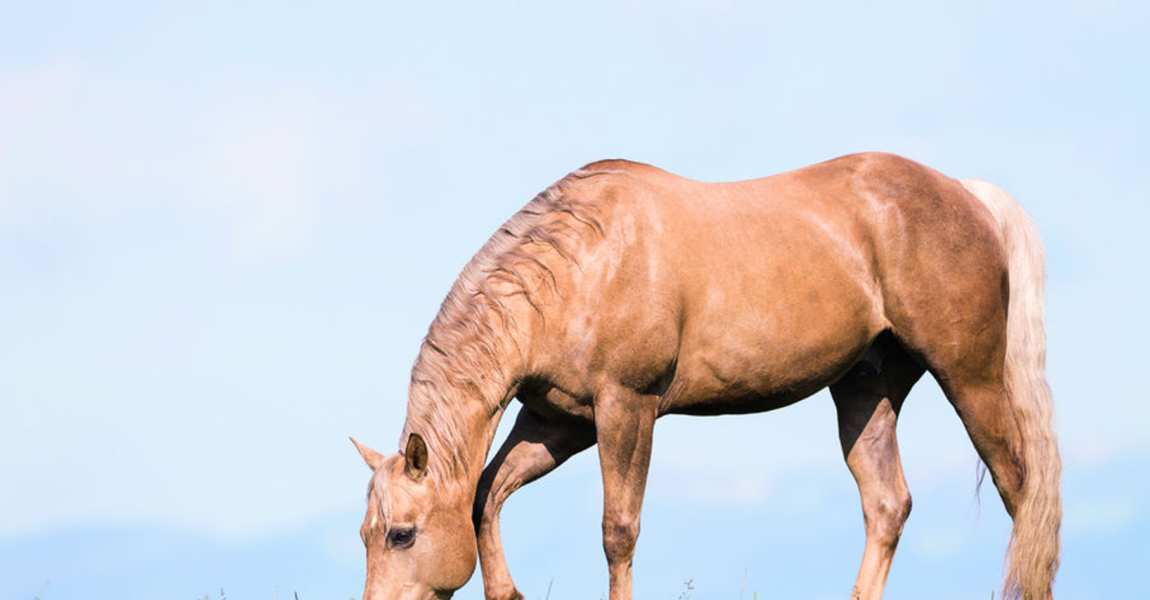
(478, 347)
(460, 386)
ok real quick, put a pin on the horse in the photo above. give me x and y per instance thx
(623, 293)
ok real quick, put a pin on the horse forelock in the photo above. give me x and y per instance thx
(380, 488)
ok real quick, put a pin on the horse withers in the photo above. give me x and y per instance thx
(623, 293)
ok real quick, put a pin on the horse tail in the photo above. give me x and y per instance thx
(1032, 558)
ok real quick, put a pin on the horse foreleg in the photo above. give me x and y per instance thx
(624, 423)
(868, 402)
(534, 447)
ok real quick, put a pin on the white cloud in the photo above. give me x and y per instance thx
(1100, 514)
(1077, 10)
(696, 6)
(70, 141)
(257, 157)
(944, 539)
(146, 378)
(258, 171)
(715, 489)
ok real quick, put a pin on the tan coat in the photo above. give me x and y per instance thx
(623, 293)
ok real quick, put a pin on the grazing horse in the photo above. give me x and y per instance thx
(623, 293)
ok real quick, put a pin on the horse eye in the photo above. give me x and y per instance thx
(401, 537)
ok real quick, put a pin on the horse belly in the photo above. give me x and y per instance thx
(768, 350)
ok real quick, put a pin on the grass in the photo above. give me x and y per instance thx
(688, 587)
(223, 595)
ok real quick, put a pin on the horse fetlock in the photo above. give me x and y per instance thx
(504, 590)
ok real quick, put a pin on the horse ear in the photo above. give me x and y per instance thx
(416, 455)
(371, 457)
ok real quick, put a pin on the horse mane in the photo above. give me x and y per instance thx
(461, 357)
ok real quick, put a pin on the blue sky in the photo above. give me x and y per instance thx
(224, 230)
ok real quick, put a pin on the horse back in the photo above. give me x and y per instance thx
(747, 296)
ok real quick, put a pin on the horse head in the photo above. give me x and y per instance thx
(419, 536)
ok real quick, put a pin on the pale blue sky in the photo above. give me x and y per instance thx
(224, 230)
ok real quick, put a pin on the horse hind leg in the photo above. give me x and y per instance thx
(981, 335)
(981, 400)
(970, 365)
(989, 421)
(868, 400)
(534, 447)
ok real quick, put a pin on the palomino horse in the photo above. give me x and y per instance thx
(623, 293)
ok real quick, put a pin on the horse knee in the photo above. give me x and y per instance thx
(886, 517)
(619, 537)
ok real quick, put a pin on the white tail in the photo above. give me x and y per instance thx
(1034, 544)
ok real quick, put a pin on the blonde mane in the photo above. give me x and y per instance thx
(461, 358)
